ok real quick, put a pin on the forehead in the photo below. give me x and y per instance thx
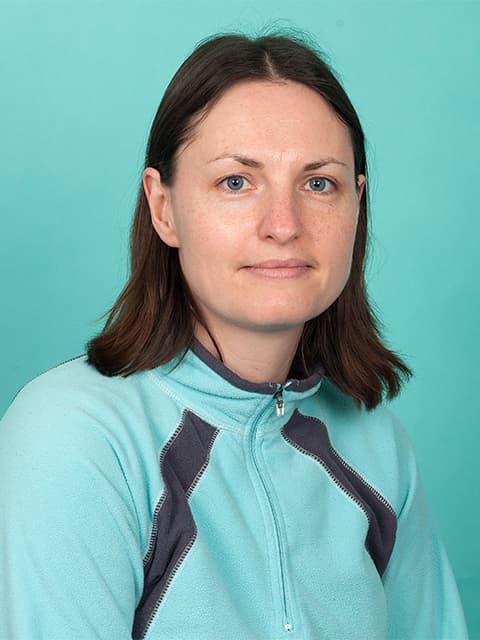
(273, 120)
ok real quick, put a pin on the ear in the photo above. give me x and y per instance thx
(160, 203)
(360, 187)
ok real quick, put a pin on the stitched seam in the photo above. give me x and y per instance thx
(377, 494)
(193, 538)
(200, 413)
(195, 481)
(82, 355)
(354, 471)
(330, 473)
(168, 582)
(130, 492)
(154, 532)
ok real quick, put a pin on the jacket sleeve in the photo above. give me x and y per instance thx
(70, 556)
(423, 602)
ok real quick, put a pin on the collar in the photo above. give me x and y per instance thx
(208, 388)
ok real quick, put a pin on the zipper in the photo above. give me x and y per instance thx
(280, 410)
(279, 403)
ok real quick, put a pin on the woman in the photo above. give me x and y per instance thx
(220, 464)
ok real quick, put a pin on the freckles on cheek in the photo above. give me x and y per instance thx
(339, 241)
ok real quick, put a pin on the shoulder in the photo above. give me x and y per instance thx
(63, 410)
(54, 381)
(379, 428)
(71, 418)
(75, 439)
(74, 395)
(74, 413)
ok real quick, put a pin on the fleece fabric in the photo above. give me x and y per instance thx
(185, 503)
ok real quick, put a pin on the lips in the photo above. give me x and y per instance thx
(280, 264)
(280, 269)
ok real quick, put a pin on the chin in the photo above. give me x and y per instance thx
(280, 321)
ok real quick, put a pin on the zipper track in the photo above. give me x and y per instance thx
(287, 625)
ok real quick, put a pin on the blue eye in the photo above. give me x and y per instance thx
(234, 183)
(318, 184)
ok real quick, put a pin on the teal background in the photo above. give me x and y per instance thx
(80, 83)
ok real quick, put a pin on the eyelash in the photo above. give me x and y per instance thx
(237, 175)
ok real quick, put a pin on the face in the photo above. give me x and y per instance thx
(263, 207)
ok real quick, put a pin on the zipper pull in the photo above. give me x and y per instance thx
(279, 403)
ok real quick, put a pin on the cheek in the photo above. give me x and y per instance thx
(196, 254)
(193, 230)
(347, 241)
(206, 253)
(210, 235)
(335, 241)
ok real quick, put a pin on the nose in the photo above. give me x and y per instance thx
(280, 218)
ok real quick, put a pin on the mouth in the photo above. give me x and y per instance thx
(280, 269)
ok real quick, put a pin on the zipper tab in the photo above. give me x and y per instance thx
(279, 403)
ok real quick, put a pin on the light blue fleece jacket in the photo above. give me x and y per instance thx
(180, 504)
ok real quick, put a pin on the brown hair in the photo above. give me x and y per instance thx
(152, 320)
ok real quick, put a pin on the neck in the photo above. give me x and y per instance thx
(257, 357)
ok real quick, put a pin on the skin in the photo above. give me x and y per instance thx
(233, 242)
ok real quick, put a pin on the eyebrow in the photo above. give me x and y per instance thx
(250, 162)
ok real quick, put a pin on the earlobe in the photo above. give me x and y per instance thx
(160, 204)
